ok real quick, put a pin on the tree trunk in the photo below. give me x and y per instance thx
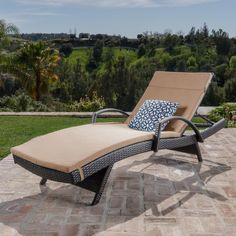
(37, 88)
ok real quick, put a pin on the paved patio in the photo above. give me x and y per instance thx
(161, 194)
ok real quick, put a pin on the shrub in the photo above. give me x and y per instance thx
(87, 104)
(226, 111)
(21, 102)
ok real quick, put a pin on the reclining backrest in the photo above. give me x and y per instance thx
(188, 89)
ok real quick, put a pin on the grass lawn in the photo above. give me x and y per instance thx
(16, 130)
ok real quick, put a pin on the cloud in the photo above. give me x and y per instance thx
(41, 13)
(117, 3)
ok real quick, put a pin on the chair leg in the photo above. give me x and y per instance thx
(191, 149)
(198, 152)
(96, 183)
(43, 181)
(98, 194)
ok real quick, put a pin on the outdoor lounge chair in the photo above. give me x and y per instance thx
(84, 155)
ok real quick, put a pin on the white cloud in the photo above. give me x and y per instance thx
(41, 13)
(117, 3)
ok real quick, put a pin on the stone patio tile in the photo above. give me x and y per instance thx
(161, 194)
(213, 225)
(116, 202)
(7, 230)
(191, 225)
(230, 191)
(84, 219)
(70, 229)
(226, 210)
(153, 231)
(230, 221)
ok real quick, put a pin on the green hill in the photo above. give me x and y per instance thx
(84, 54)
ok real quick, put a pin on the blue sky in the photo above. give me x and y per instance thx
(124, 17)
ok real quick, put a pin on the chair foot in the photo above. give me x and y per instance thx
(96, 199)
(198, 152)
(98, 194)
(191, 149)
(96, 183)
(43, 181)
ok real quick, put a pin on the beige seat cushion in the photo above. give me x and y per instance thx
(70, 149)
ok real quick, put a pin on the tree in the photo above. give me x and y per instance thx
(190, 37)
(141, 50)
(170, 41)
(214, 95)
(35, 67)
(222, 41)
(220, 71)
(205, 31)
(104, 80)
(139, 36)
(97, 51)
(60, 88)
(232, 62)
(230, 90)
(181, 65)
(121, 77)
(66, 49)
(5, 29)
(79, 83)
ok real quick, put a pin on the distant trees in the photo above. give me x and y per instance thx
(5, 30)
(97, 51)
(79, 82)
(116, 70)
(214, 95)
(141, 50)
(66, 49)
(7, 84)
(222, 41)
(121, 82)
(230, 90)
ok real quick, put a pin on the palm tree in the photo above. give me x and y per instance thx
(34, 64)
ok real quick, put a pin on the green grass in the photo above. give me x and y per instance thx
(84, 53)
(130, 55)
(17, 130)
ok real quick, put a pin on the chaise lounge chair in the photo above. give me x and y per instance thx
(84, 155)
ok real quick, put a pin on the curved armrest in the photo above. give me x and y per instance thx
(95, 114)
(188, 122)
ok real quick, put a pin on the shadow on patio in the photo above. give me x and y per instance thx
(146, 194)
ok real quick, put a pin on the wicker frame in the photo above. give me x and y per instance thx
(97, 172)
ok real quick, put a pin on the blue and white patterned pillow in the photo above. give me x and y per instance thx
(150, 113)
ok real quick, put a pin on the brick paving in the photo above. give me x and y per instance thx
(163, 194)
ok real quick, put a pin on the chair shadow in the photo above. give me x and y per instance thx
(31, 214)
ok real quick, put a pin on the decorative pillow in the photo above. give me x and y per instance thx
(150, 113)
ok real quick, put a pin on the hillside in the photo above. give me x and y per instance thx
(113, 71)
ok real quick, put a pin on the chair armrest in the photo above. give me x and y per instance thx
(188, 122)
(97, 113)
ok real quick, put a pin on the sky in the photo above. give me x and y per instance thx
(118, 17)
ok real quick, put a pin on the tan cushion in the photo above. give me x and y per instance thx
(187, 89)
(69, 149)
